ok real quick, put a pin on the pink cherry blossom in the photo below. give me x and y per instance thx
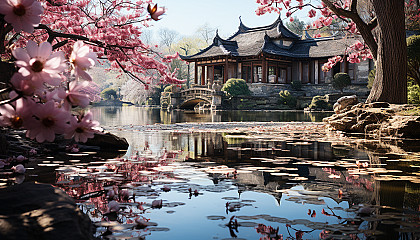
(13, 114)
(47, 121)
(22, 14)
(25, 84)
(81, 128)
(21, 158)
(40, 62)
(20, 169)
(311, 13)
(76, 96)
(82, 59)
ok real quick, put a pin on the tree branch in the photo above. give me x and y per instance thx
(129, 73)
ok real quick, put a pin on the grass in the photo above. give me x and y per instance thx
(414, 111)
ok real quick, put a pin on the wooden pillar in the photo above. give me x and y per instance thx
(212, 74)
(300, 74)
(202, 75)
(239, 71)
(252, 72)
(195, 73)
(264, 70)
(316, 71)
(225, 77)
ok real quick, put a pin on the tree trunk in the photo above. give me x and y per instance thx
(390, 83)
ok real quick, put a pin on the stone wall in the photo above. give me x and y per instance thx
(308, 90)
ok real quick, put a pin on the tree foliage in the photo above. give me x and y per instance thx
(340, 81)
(286, 98)
(109, 94)
(236, 87)
(381, 24)
(413, 58)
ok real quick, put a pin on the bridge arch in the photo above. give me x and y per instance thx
(193, 96)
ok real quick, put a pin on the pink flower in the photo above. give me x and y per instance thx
(22, 14)
(81, 128)
(76, 95)
(40, 63)
(82, 59)
(155, 12)
(13, 115)
(21, 158)
(311, 13)
(25, 85)
(47, 121)
(20, 169)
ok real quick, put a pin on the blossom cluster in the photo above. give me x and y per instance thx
(356, 53)
(53, 44)
(43, 90)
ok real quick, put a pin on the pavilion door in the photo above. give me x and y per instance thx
(219, 72)
(257, 74)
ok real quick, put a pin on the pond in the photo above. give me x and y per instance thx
(240, 175)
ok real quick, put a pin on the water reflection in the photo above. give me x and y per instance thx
(223, 186)
(131, 115)
(203, 184)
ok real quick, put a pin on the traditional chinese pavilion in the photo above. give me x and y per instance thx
(272, 55)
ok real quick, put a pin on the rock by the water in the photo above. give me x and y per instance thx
(108, 141)
(40, 211)
(343, 102)
(375, 119)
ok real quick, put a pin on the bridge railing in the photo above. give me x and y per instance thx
(197, 92)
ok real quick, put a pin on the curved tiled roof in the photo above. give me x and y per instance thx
(253, 41)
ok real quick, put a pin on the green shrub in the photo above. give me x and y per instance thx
(320, 103)
(296, 85)
(287, 99)
(340, 81)
(371, 78)
(168, 88)
(413, 58)
(109, 93)
(413, 93)
(236, 87)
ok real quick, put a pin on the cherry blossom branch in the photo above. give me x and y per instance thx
(10, 100)
(129, 73)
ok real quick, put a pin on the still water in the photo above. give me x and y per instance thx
(268, 175)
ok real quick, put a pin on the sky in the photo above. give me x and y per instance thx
(186, 16)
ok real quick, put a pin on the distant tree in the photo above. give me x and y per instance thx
(168, 37)
(340, 81)
(206, 32)
(109, 94)
(186, 46)
(297, 26)
(413, 58)
(236, 87)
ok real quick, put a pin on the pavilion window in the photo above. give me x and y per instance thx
(305, 72)
(289, 75)
(322, 74)
(351, 67)
(246, 74)
(218, 73)
(272, 74)
(282, 76)
(257, 74)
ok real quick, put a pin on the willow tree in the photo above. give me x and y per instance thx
(381, 25)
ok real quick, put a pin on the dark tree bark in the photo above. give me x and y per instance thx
(387, 45)
(390, 83)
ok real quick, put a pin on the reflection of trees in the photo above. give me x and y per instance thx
(111, 111)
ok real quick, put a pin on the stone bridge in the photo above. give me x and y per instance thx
(191, 97)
